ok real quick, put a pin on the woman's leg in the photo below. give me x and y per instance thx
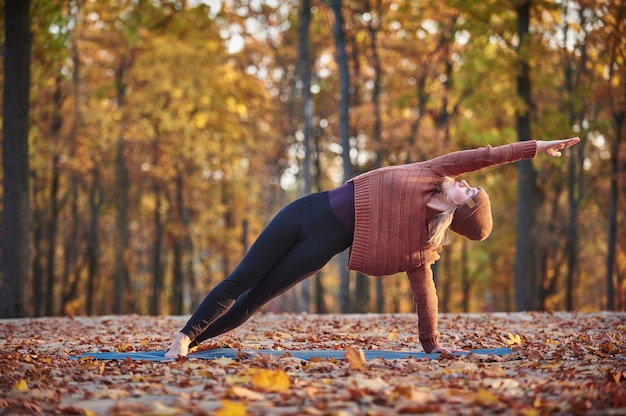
(304, 259)
(300, 240)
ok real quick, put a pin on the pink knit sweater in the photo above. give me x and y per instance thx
(391, 224)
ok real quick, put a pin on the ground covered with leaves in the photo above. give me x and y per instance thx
(562, 363)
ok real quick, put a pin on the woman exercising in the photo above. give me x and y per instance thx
(393, 218)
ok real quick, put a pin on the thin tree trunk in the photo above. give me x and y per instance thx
(344, 104)
(95, 202)
(524, 268)
(444, 288)
(38, 254)
(361, 293)
(363, 282)
(422, 99)
(320, 305)
(575, 185)
(305, 79)
(120, 278)
(618, 119)
(54, 203)
(180, 245)
(575, 67)
(466, 280)
(157, 264)
(71, 272)
(177, 276)
(618, 111)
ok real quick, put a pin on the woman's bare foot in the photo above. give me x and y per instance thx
(179, 346)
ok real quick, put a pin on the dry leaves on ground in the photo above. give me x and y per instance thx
(561, 364)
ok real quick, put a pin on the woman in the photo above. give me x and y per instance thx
(394, 219)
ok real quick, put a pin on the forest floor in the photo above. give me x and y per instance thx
(561, 363)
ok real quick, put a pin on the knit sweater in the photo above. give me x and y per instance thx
(391, 225)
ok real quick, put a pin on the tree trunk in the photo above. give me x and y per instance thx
(54, 207)
(524, 269)
(38, 253)
(15, 211)
(177, 277)
(361, 293)
(373, 28)
(95, 202)
(344, 103)
(182, 247)
(575, 74)
(305, 78)
(618, 119)
(72, 270)
(120, 278)
(466, 280)
(320, 305)
(575, 183)
(157, 264)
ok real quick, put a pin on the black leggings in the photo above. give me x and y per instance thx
(297, 242)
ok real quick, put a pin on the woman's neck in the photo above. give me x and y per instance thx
(438, 202)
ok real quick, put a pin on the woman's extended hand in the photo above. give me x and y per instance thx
(554, 147)
(179, 346)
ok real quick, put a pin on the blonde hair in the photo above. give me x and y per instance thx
(439, 225)
(438, 228)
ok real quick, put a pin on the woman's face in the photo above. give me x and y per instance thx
(458, 192)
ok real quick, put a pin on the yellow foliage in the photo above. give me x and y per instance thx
(514, 340)
(201, 120)
(20, 385)
(276, 381)
(230, 408)
(484, 398)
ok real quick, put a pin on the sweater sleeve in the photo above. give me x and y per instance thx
(427, 305)
(464, 161)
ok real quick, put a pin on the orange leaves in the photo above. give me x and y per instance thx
(230, 408)
(276, 381)
(356, 359)
(126, 347)
(20, 385)
(484, 398)
(513, 340)
(561, 364)
(617, 376)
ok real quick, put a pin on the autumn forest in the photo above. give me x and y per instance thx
(164, 134)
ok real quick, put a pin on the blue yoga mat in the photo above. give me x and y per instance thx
(302, 354)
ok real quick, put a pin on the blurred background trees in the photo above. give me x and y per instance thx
(164, 134)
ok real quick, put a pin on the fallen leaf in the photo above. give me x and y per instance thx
(126, 347)
(158, 408)
(484, 398)
(270, 380)
(514, 340)
(20, 385)
(230, 408)
(356, 358)
(616, 376)
(239, 392)
(223, 361)
(370, 384)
